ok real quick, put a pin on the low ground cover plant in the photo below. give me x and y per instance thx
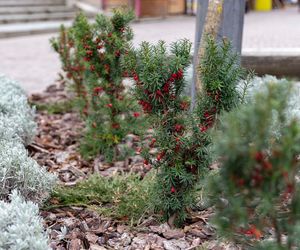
(91, 55)
(257, 192)
(121, 197)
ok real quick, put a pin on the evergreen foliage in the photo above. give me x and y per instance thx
(257, 191)
(121, 197)
(72, 63)
(181, 137)
(159, 82)
(98, 50)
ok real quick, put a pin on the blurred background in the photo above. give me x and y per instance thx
(271, 36)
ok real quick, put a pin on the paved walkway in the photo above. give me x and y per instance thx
(31, 61)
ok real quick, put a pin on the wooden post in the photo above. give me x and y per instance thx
(229, 24)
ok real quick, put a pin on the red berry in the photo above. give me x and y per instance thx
(117, 53)
(203, 128)
(92, 67)
(171, 79)
(152, 142)
(89, 52)
(136, 78)
(146, 162)
(206, 114)
(160, 156)
(259, 156)
(178, 128)
(166, 87)
(267, 165)
(116, 125)
(136, 114)
(179, 74)
(109, 105)
(159, 93)
(173, 190)
(98, 90)
(174, 76)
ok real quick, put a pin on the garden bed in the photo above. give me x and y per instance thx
(77, 227)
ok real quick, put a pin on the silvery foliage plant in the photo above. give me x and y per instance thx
(260, 85)
(21, 227)
(16, 116)
(17, 127)
(19, 171)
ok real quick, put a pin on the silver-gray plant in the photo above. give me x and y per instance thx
(15, 112)
(261, 84)
(19, 171)
(21, 226)
(17, 127)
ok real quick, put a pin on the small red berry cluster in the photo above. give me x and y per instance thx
(160, 96)
(208, 119)
(209, 114)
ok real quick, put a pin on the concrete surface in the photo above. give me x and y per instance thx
(31, 60)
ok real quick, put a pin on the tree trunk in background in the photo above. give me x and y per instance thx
(220, 18)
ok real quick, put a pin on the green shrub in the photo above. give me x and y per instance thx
(96, 51)
(257, 191)
(180, 136)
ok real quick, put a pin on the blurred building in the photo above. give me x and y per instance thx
(151, 8)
